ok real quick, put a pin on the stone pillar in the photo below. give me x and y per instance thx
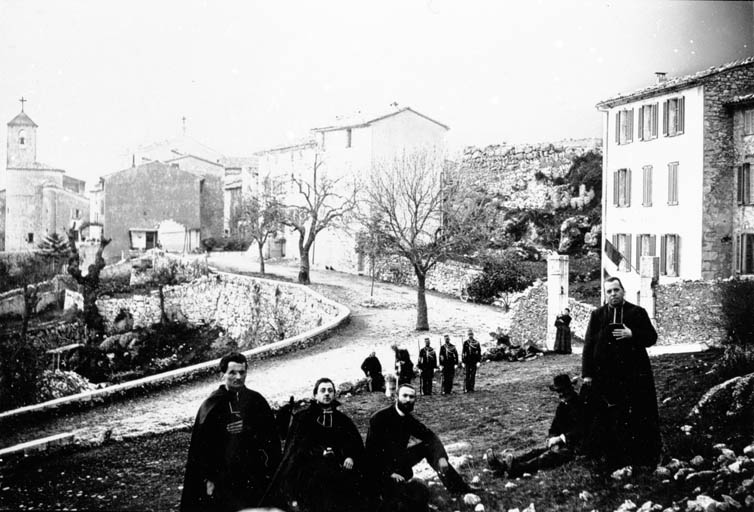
(648, 276)
(557, 293)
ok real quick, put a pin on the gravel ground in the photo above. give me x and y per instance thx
(392, 319)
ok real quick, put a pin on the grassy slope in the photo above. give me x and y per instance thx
(512, 408)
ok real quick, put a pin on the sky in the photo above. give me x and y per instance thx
(102, 77)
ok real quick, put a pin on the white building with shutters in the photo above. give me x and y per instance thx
(670, 174)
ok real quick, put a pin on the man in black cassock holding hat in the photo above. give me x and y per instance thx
(234, 445)
(620, 397)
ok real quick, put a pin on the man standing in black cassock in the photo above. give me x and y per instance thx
(404, 368)
(448, 363)
(373, 371)
(427, 364)
(323, 461)
(470, 358)
(390, 459)
(234, 445)
(621, 399)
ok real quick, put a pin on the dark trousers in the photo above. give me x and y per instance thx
(470, 377)
(427, 376)
(450, 479)
(447, 380)
(538, 458)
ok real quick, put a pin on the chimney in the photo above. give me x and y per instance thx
(661, 76)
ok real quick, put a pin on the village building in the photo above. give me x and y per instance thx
(347, 151)
(241, 176)
(39, 199)
(676, 176)
(171, 197)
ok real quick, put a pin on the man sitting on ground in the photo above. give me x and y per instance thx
(564, 437)
(390, 458)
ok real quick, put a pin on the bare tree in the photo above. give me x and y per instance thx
(425, 215)
(257, 218)
(326, 203)
(89, 283)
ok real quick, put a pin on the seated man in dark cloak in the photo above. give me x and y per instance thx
(373, 371)
(390, 458)
(234, 446)
(322, 464)
(563, 442)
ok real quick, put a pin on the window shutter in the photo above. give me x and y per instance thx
(628, 187)
(615, 189)
(677, 255)
(746, 174)
(665, 116)
(630, 134)
(628, 252)
(653, 245)
(654, 119)
(740, 184)
(739, 240)
(680, 114)
(617, 127)
(641, 124)
(638, 252)
(663, 252)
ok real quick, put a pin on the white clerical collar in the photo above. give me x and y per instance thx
(398, 409)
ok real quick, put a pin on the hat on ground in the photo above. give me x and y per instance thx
(561, 382)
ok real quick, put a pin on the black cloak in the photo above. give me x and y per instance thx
(622, 381)
(311, 472)
(240, 465)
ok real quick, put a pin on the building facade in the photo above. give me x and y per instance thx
(346, 151)
(39, 199)
(670, 173)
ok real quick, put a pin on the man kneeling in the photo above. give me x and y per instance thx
(565, 436)
(390, 458)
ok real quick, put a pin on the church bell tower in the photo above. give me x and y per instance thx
(22, 141)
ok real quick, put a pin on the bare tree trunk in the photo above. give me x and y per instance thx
(303, 272)
(31, 299)
(89, 284)
(422, 321)
(261, 257)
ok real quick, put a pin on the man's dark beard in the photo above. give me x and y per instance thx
(405, 408)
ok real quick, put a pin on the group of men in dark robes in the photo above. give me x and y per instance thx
(614, 419)
(235, 458)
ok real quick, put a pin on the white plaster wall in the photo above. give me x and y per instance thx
(685, 218)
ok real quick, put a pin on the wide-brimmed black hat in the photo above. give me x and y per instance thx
(561, 382)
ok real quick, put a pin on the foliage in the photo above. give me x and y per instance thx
(500, 277)
(586, 169)
(58, 383)
(425, 213)
(256, 218)
(736, 360)
(233, 243)
(22, 362)
(321, 202)
(55, 249)
(737, 308)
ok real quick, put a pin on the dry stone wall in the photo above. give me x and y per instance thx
(522, 175)
(231, 302)
(686, 312)
(446, 277)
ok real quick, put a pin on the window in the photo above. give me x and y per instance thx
(745, 254)
(29, 238)
(673, 117)
(646, 245)
(743, 187)
(646, 195)
(669, 255)
(624, 126)
(22, 138)
(622, 187)
(348, 137)
(622, 242)
(75, 213)
(749, 121)
(673, 183)
(648, 122)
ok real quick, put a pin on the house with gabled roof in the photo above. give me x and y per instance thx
(676, 176)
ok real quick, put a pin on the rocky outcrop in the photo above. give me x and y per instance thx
(732, 400)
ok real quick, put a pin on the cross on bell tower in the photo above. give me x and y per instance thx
(22, 100)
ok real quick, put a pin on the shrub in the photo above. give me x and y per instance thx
(539, 176)
(735, 361)
(499, 278)
(737, 310)
(22, 362)
(57, 383)
(236, 244)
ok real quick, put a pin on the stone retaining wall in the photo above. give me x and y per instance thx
(445, 277)
(686, 312)
(340, 315)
